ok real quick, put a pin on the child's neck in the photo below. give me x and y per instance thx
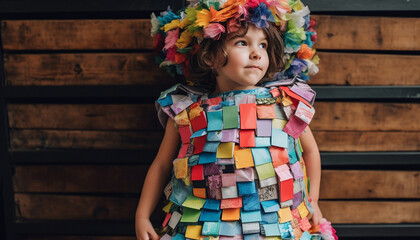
(221, 89)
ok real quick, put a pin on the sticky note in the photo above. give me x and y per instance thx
(303, 210)
(215, 120)
(246, 188)
(255, 236)
(193, 231)
(229, 192)
(230, 135)
(270, 206)
(228, 179)
(199, 143)
(193, 202)
(271, 217)
(287, 203)
(210, 169)
(304, 112)
(278, 138)
(166, 220)
(225, 161)
(190, 215)
(263, 127)
(243, 158)
(265, 171)
(268, 181)
(210, 215)
(268, 193)
(225, 150)
(278, 123)
(251, 216)
(246, 138)
(214, 185)
(279, 156)
(297, 199)
(286, 230)
(199, 192)
(197, 172)
(175, 218)
(165, 100)
(252, 227)
(231, 203)
(251, 202)
(214, 136)
(185, 133)
(262, 141)
(266, 111)
(295, 126)
(261, 156)
(271, 229)
(207, 157)
(230, 117)
(231, 214)
(285, 215)
(230, 228)
(198, 121)
(180, 102)
(179, 193)
(248, 115)
(286, 190)
(304, 224)
(210, 228)
(292, 94)
(182, 119)
(183, 151)
(283, 172)
(180, 167)
(210, 146)
(212, 204)
(305, 236)
(244, 175)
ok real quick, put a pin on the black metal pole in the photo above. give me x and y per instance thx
(7, 207)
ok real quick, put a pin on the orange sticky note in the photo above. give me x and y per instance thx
(279, 156)
(231, 203)
(285, 214)
(182, 119)
(248, 115)
(266, 111)
(247, 138)
(180, 167)
(231, 214)
(199, 192)
(243, 158)
(303, 210)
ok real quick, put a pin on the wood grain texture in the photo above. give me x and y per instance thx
(79, 178)
(359, 184)
(84, 116)
(83, 69)
(360, 141)
(358, 116)
(76, 34)
(367, 33)
(358, 69)
(371, 211)
(77, 139)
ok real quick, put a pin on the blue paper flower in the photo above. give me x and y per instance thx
(260, 16)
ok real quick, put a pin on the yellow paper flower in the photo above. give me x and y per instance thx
(184, 40)
(203, 18)
(172, 25)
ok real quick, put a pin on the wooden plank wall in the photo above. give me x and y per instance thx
(118, 52)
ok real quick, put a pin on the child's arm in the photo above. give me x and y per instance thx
(313, 169)
(156, 179)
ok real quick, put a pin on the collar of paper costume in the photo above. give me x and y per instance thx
(177, 35)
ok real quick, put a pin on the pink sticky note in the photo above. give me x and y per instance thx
(244, 175)
(228, 179)
(295, 127)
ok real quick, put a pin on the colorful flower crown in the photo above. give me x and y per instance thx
(176, 36)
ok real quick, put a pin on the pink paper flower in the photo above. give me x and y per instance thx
(214, 30)
(171, 38)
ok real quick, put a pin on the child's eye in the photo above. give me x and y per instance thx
(241, 43)
(263, 45)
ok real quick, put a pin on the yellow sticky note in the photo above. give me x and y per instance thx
(225, 150)
(182, 119)
(167, 207)
(231, 214)
(303, 210)
(243, 158)
(285, 214)
(180, 167)
(193, 231)
(278, 123)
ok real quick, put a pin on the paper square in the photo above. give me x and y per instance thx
(212, 204)
(244, 175)
(243, 158)
(246, 188)
(215, 120)
(278, 138)
(207, 157)
(246, 138)
(266, 111)
(285, 215)
(231, 214)
(228, 179)
(190, 215)
(250, 228)
(271, 229)
(193, 202)
(251, 202)
(261, 156)
(251, 216)
(210, 215)
(265, 171)
(214, 136)
(180, 167)
(229, 192)
(268, 182)
(225, 150)
(268, 218)
(230, 228)
(211, 229)
(248, 115)
(231, 203)
(262, 141)
(279, 156)
(270, 206)
(197, 172)
(174, 220)
(230, 135)
(193, 232)
(230, 117)
(264, 127)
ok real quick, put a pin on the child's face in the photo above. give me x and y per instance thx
(247, 60)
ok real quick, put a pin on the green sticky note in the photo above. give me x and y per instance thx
(194, 202)
(190, 215)
(265, 171)
(211, 228)
(230, 117)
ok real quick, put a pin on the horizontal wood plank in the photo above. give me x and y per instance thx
(371, 211)
(76, 34)
(84, 116)
(367, 33)
(79, 178)
(42, 139)
(358, 69)
(360, 141)
(83, 69)
(356, 184)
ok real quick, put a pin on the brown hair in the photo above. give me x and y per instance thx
(211, 53)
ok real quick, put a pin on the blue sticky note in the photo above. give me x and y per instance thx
(272, 217)
(291, 150)
(207, 158)
(251, 202)
(212, 204)
(179, 193)
(214, 120)
(193, 160)
(214, 136)
(270, 206)
(254, 236)
(210, 228)
(210, 146)
(178, 236)
(261, 156)
(251, 216)
(305, 236)
(230, 228)
(278, 138)
(271, 229)
(246, 188)
(210, 215)
(286, 230)
(199, 133)
(165, 101)
(262, 141)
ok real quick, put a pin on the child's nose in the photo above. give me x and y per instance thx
(255, 55)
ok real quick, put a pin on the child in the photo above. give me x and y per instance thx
(233, 142)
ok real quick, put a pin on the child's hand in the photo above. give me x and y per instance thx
(317, 216)
(144, 230)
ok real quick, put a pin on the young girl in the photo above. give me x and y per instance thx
(239, 156)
